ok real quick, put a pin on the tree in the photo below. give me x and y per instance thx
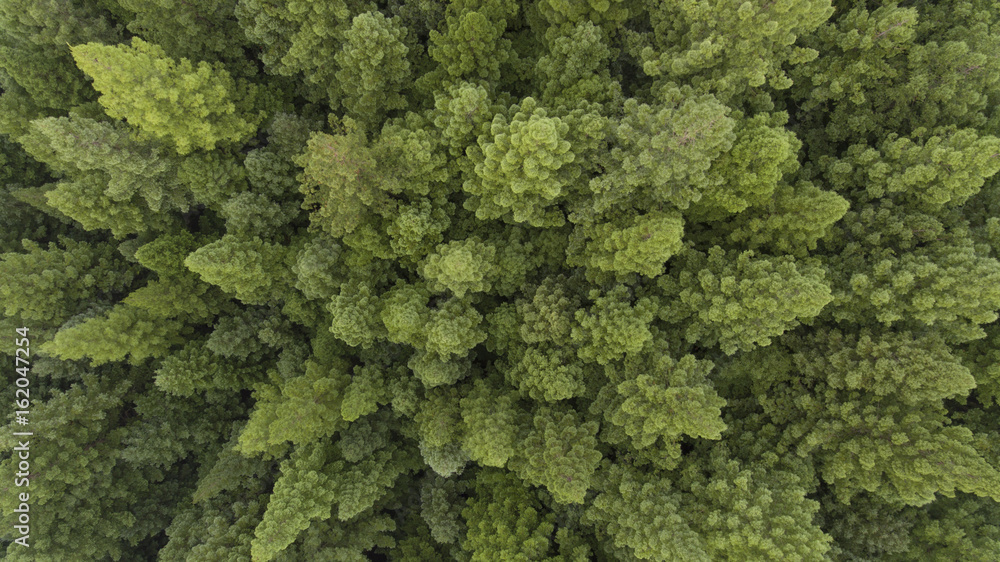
(188, 29)
(505, 521)
(742, 305)
(166, 98)
(373, 58)
(522, 167)
(51, 285)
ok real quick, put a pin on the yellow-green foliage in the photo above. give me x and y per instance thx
(191, 106)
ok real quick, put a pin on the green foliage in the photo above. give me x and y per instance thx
(441, 508)
(640, 244)
(237, 265)
(743, 305)
(439, 430)
(49, 85)
(730, 507)
(432, 371)
(418, 229)
(335, 540)
(491, 417)
(796, 219)
(522, 166)
(315, 268)
(473, 44)
(896, 70)
(505, 521)
(301, 37)
(219, 531)
(212, 177)
(944, 280)
(339, 179)
(163, 97)
(300, 495)
(560, 453)
(24, 222)
(868, 529)
(962, 526)
(869, 426)
(462, 113)
(984, 358)
(612, 325)
(33, 22)
(195, 368)
(365, 393)
(90, 486)
(355, 314)
(730, 47)
(916, 368)
(192, 30)
(125, 330)
(763, 153)
(317, 477)
(576, 68)
(557, 11)
(946, 168)
(491, 280)
(640, 514)
(138, 179)
(52, 285)
(33, 52)
(460, 266)
(454, 328)
(373, 60)
(664, 151)
(301, 410)
(547, 373)
(656, 398)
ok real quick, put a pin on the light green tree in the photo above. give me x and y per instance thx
(190, 106)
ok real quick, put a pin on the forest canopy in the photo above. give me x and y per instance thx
(501, 280)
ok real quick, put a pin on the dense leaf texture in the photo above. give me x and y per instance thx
(503, 280)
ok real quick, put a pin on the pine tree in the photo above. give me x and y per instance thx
(742, 305)
(373, 59)
(164, 97)
(51, 285)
